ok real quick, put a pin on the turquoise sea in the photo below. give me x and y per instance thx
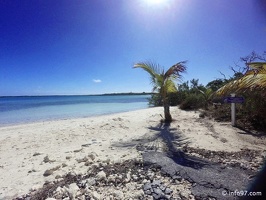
(25, 109)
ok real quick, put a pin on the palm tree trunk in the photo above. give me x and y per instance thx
(167, 115)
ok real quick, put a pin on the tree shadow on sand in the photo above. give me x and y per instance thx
(167, 140)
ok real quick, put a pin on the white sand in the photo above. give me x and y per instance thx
(21, 169)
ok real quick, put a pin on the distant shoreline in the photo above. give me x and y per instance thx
(105, 94)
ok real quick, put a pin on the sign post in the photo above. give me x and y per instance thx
(233, 111)
(233, 100)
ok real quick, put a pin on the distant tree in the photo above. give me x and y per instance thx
(216, 84)
(194, 83)
(163, 82)
(183, 87)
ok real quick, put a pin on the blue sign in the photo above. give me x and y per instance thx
(234, 99)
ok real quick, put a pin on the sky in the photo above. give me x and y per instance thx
(76, 47)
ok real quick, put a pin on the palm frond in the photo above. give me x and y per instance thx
(149, 67)
(257, 65)
(152, 68)
(176, 70)
(163, 82)
(254, 79)
(170, 86)
(157, 82)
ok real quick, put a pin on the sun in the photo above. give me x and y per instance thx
(156, 2)
(155, 6)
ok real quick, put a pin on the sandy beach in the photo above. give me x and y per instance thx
(32, 154)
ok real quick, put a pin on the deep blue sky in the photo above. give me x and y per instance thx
(90, 46)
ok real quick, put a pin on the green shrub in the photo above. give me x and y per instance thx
(175, 98)
(155, 100)
(253, 110)
(249, 115)
(192, 101)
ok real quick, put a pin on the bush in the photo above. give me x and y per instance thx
(192, 101)
(175, 98)
(253, 110)
(155, 100)
(249, 115)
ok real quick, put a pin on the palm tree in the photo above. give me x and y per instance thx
(207, 95)
(253, 80)
(163, 82)
(252, 86)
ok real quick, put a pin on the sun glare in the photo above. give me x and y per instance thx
(156, 2)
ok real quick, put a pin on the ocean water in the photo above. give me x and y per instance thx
(16, 110)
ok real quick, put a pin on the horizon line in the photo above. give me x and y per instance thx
(112, 93)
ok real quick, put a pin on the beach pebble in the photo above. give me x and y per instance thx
(129, 176)
(86, 145)
(116, 161)
(90, 182)
(58, 176)
(35, 187)
(46, 159)
(72, 190)
(48, 172)
(82, 159)
(135, 177)
(96, 195)
(36, 154)
(77, 150)
(119, 178)
(145, 181)
(101, 176)
(59, 192)
(111, 178)
(95, 165)
(168, 191)
(138, 194)
(92, 155)
(150, 175)
(68, 157)
(118, 194)
(184, 194)
(33, 170)
(108, 160)
(64, 164)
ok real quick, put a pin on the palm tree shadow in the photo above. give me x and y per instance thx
(176, 154)
(172, 143)
(171, 139)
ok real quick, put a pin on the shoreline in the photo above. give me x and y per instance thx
(63, 119)
(50, 108)
(30, 151)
